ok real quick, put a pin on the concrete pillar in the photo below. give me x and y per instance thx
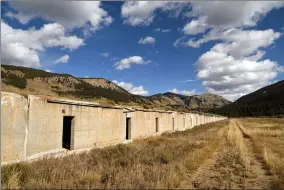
(14, 126)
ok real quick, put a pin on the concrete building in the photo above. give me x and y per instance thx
(38, 124)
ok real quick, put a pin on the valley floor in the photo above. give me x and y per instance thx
(235, 153)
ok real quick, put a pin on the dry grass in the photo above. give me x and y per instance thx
(167, 161)
(229, 167)
(236, 137)
(239, 153)
(267, 135)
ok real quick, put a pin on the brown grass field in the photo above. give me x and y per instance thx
(230, 154)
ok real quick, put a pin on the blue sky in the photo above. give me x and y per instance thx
(203, 48)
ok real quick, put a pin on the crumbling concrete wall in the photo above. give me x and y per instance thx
(14, 110)
(143, 123)
(35, 124)
(179, 121)
(187, 121)
(93, 126)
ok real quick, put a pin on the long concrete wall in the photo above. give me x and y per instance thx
(35, 124)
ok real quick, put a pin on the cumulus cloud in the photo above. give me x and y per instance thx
(234, 66)
(69, 14)
(140, 12)
(233, 77)
(138, 90)
(195, 26)
(63, 59)
(127, 62)
(220, 16)
(137, 13)
(183, 92)
(147, 40)
(227, 14)
(105, 54)
(24, 19)
(22, 47)
(238, 42)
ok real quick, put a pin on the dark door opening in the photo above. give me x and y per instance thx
(128, 128)
(173, 123)
(67, 136)
(183, 122)
(157, 124)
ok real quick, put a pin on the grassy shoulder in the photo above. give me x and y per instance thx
(166, 161)
(230, 154)
(267, 136)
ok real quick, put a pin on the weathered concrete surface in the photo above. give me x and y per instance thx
(143, 123)
(35, 125)
(14, 109)
(93, 126)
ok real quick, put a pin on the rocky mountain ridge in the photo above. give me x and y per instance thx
(24, 80)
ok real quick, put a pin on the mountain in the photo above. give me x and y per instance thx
(103, 83)
(201, 102)
(206, 101)
(168, 98)
(267, 101)
(25, 81)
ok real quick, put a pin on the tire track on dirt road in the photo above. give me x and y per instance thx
(227, 168)
(257, 163)
(198, 175)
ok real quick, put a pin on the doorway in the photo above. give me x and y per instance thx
(128, 128)
(68, 132)
(157, 124)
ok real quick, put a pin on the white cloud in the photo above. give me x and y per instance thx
(233, 77)
(105, 54)
(147, 40)
(127, 62)
(69, 14)
(137, 13)
(47, 70)
(234, 66)
(238, 42)
(24, 19)
(139, 90)
(63, 59)
(19, 54)
(183, 92)
(227, 14)
(162, 30)
(22, 47)
(140, 12)
(195, 26)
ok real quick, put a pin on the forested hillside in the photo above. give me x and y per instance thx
(267, 101)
